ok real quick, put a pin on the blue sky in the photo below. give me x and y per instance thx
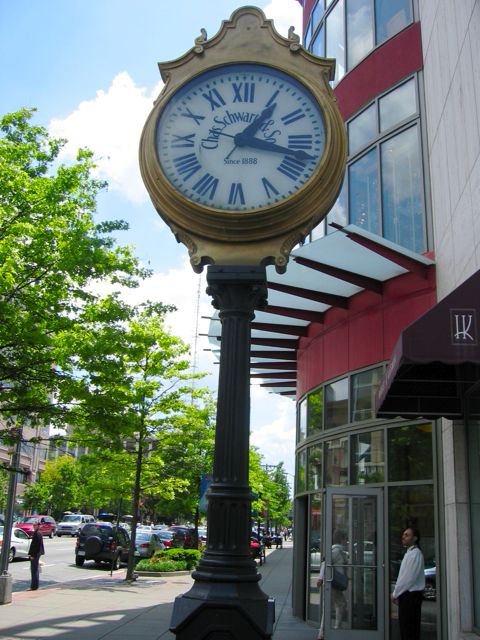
(90, 69)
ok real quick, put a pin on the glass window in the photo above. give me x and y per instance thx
(317, 13)
(315, 545)
(414, 507)
(410, 453)
(474, 494)
(360, 37)
(403, 215)
(336, 404)
(336, 462)
(398, 105)
(315, 412)
(314, 479)
(363, 192)
(336, 39)
(338, 213)
(318, 46)
(302, 420)
(362, 129)
(308, 35)
(391, 17)
(368, 458)
(364, 387)
(301, 468)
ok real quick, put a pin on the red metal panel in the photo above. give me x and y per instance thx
(383, 67)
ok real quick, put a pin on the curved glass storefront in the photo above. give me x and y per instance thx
(353, 467)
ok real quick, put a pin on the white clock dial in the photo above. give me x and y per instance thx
(240, 137)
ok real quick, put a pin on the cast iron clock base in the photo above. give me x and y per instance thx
(226, 602)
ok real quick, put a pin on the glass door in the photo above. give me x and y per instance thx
(353, 568)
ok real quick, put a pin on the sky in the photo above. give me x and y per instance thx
(90, 69)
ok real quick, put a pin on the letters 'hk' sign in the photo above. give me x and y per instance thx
(244, 151)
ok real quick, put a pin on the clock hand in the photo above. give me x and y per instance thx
(254, 126)
(241, 140)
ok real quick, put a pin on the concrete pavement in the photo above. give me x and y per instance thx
(108, 608)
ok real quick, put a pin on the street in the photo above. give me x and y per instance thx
(59, 566)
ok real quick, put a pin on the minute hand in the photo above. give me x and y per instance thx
(241, 140)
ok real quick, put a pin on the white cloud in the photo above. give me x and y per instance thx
(273, 428)
(285, 13)
(110, 125)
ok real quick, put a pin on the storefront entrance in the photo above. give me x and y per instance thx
(353, 586)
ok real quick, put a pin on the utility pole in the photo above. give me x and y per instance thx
(5, 577)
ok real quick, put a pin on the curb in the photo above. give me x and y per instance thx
(161, 574)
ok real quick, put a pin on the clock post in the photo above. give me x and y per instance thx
(242, 155)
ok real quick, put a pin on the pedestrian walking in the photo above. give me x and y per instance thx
(34, 552)
(408, 592)
(339, 560)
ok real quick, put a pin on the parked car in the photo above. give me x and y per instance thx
(146, 543)
(102, 542)
(166, 537)
(71, 524)
(19, 543)
(183, 537)
(48, 526)
(430, 592)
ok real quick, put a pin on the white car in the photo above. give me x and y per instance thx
(19, 544)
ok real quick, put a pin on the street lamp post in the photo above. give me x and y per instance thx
(226, 600)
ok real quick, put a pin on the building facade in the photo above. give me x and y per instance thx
(408, 87)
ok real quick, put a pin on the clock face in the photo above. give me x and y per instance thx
(240, 137)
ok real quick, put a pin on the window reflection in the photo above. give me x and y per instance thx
(315, 546)
(360, 38)
(403, 215)
(302, 421)
(301, 470)
(338, 213)
(368, 463)
(336, 39)
(410, 453)
(336, 404)
(364, 387)
(363, 192)
(397, 105)
(362, 129)
(391, 17)
(336, 462)
(315, 412)
(318, 46)
(314, 480)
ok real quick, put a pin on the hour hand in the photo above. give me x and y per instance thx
(254, 126)
(242, 140)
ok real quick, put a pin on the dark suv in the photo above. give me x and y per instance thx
(183, 537)
(102, 542)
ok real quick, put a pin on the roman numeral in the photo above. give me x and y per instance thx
(269, 188)
(206, 186)
(300, 141)
(291, 167)
(187, 165)
(182, 141)
(236, 193)
(298, 114)
(272, 99)
(188, 114)
(214, 99)
(244, 92)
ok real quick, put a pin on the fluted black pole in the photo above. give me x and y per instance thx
(226, 598)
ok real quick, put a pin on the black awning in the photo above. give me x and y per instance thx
(436, 361)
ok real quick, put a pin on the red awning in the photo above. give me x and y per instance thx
(435, 364)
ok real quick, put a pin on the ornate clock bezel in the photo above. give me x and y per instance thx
(265, 235)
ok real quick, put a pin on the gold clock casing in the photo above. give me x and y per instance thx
(265, 235)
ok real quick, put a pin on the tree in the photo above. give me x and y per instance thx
(51, 251)
(3, 489)
(58, 488)
(133, 382)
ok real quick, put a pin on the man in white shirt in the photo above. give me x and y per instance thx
(408, 592)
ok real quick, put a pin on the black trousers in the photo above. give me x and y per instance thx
(410, 614)
(35, 571)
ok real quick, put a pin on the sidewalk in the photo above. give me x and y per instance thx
(108, 608)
